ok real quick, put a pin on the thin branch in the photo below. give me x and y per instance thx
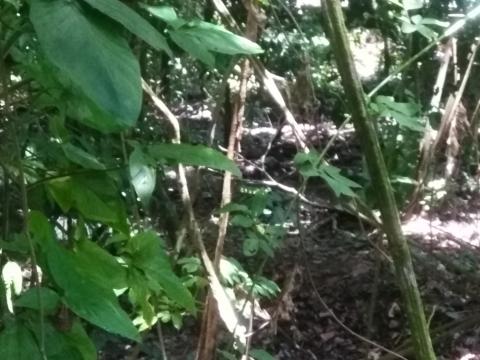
(227, 310)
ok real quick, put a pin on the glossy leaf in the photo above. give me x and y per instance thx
(201, 39)
(133, 22)
(165, 13)
(197, 155)
(85, 297)
(61, 191)
(50, 299)
(56, 345)
(100, 265)
(41, 230)
(149, 256)
(92, 53)
(218, 39)
(75, 193)
(81, 157)
(78, 338)
(194, 47)
(18, 343)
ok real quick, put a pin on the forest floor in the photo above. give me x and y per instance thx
(339, 298)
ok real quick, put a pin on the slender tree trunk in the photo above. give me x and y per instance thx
(208, 337)
(391, 221)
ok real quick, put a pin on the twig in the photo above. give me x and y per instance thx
(250, 333)
(161, 341)
(207, 342)
(267, 79)
(226, 308)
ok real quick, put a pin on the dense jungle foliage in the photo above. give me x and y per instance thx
(178, 177)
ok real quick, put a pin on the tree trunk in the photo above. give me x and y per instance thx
(378, 172)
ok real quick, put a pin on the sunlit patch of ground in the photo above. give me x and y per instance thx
(453, 232)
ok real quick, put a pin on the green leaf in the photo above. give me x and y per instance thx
(29, 299)
(15, 3)
(56, 345)
(148, 255)
(142, 176)
(242, 221)
(217, 39)
(93, 54)
(235, 208)
(431, 21)
(197, 155)
(165, 13)
(337, 182)
(92, 206)
(194, 47)
(311, 165)
(81, 157)
(100, 265)
(41, 230)
(259, 354)
(133, 22)
(18, 343)
(78, 339)
(85, 297)
(200, 39)
(251, 245)
(61, 191)
(406, 114)
(78, 193)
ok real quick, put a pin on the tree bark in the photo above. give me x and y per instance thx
(364, 128)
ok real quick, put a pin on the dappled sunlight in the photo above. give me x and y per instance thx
(453, 232)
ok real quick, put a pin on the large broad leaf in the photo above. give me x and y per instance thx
(102, 267)
(81, 157)
(56, 345)
(201, 39)
(131, 21)
(217, 39)
(167, 14)
(194, 155)
(90, 201)
(18, 343)
(93, 54)
(194, 47)
(148, 255)
(85, 297)
(49, 300)
(41, 230)
(78, 338)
